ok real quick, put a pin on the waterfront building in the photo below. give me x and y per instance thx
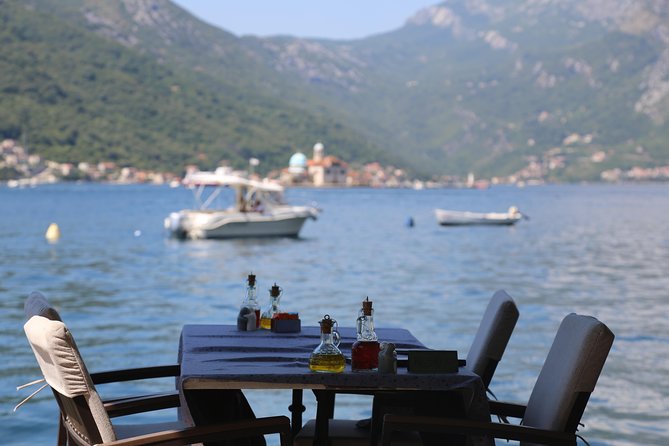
(318, 171)
(326, 170)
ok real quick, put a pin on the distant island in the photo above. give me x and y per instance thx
(18, 168)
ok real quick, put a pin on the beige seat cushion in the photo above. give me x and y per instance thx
(63, 369)
(572, 366)
(58, 356)
(494, 331)
(345, 432)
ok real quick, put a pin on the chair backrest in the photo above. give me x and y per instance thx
(82, 411)
(493, 335)
(569, 374)
(37, 305)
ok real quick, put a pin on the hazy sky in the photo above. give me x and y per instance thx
(336, 19)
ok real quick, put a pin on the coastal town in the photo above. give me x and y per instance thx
(19, 168)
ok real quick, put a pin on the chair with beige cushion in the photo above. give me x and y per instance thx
(556, 404)
(490, 341)
(86, 419)
(37, 305)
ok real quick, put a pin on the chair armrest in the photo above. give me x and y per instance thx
(119, 407)
(214, 432)
(393, 423)
(111, 376)
(505, 409)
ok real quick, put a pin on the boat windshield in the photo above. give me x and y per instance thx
(258, 200)
(207, 197)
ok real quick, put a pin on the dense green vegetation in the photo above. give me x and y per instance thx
(474, 108)
(70, 96)
(88, 80)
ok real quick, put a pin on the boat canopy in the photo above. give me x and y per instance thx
(249, 194)
(221, 179)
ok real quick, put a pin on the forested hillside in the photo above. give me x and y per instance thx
(71, 95)
(562, 90)
(492, 86)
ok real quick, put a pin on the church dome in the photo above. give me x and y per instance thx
(298, 160)
(297, 164)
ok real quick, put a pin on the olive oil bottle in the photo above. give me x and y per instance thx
(327, 358)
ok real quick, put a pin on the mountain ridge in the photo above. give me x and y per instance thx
(483, 86)
(543, 51)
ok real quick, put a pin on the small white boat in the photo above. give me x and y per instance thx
(258, 209)
(459, 218)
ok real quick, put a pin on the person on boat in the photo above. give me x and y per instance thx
(258, 206)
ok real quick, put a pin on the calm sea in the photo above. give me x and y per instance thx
(125, 289)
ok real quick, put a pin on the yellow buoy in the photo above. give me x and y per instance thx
(52, 233)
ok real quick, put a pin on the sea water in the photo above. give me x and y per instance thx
(125, 289)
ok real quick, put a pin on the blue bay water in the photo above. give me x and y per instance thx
(125, 289)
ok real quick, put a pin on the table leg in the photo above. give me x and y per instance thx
(296, 409)
(324, 412)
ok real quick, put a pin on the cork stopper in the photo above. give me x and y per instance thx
(252, 279)
(275, 290)
(326, 324)
(367, 307)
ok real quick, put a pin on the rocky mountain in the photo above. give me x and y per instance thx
(566, 87)
(490, 86)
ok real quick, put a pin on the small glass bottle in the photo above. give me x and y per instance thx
(327, 358)
(251, 300)
(268, 314)
(365, 351)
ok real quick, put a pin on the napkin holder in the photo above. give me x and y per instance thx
(432, 361)
(290, 323)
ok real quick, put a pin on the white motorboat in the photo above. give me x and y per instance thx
(258, 209)
(459, 218)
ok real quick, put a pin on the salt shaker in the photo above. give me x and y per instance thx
(387, 358)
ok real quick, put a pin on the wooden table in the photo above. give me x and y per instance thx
(218, 358)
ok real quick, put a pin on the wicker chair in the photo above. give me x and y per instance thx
(85, 419)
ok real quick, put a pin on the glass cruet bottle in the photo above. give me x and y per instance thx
(365, 350)
(327, 358)
(272, 309)
(251, 299)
